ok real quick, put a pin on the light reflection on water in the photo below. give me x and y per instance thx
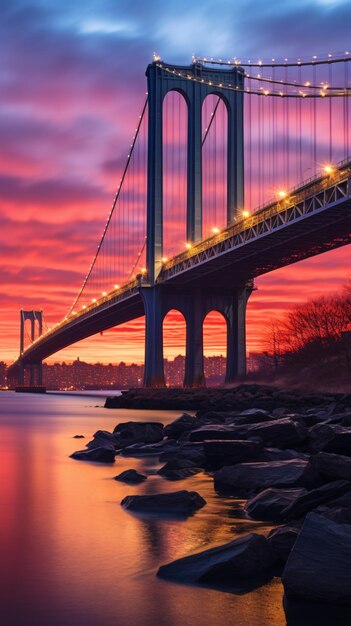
(70, 555)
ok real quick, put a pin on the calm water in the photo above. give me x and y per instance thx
(71, 556)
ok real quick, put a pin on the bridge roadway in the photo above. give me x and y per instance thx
(310, 220)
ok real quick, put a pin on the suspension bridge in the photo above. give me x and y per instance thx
(236, 168)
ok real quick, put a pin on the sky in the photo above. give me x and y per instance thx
(72, 83)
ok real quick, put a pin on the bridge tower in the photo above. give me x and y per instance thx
(194, 83)
(36, 319)
(161, 79)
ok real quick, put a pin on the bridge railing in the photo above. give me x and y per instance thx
(294, 196)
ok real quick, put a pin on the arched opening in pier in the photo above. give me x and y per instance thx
(175, 132)
(174, 341)
(215, 348)
(214, 165)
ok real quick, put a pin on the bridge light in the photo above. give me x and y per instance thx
(188, 245)
(282, 194)
(143, 270)
(74, 312)
(104, 293)
(328, 169)
(84, 306)
(246, 213)
(116, 286)
(215, 230)
(93, 299)
(164, 259)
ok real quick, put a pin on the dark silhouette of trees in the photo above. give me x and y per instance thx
(316, 332)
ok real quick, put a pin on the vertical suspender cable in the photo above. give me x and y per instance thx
(287, 129)
(314, 165)
(249, 106)
(275, 105)
(299, 132)
(330, 117)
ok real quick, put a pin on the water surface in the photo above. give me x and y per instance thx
(71, 556)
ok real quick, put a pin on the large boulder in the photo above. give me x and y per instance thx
(269, 504)
(220, 453)
(282, 433)
(228, 564)
(150, 449)
(178, 469)
(192, 452)
(318, 568)
(102, 438)
(330, 438)
(275, 454)
(332, 466)
(174, 503)
(246, 478)
(128, 433)
(252, 416)
(183, 424)
(338, 510)
(311, 499)
(215, 431)
(131, 476)
(100, 455)
(304, 613)
(282, 539)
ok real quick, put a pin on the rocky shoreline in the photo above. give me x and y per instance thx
(287, 454)
(244, 396)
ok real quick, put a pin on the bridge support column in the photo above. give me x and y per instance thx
(20, 379)
(194, 358)
(40, 374)
(236, 334)
(32, 374)
(153, 370)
